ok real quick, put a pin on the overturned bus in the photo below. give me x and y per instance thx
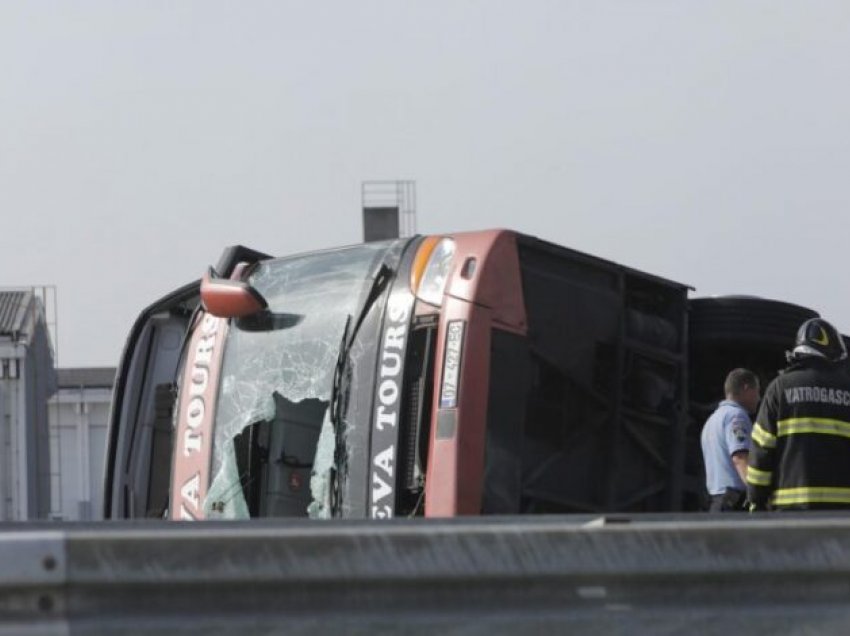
(472, 373)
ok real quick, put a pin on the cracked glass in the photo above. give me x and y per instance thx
(276, 384)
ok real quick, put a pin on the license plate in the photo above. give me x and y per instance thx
(451, 364)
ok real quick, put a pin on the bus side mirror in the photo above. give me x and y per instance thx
(226, 298)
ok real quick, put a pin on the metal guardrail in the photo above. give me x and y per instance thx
(652, 575)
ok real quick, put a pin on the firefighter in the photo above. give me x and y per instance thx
(725, 442)
(800, 458)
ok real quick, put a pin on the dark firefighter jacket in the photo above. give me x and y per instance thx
(800, 456)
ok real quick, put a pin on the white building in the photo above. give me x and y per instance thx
(79, 414)
(27, 379)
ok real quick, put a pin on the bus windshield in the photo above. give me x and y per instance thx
(276, 381)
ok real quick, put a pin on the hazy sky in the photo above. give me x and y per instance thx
(708, 142)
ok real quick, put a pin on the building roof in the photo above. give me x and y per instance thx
(91, 377)
(13, 311)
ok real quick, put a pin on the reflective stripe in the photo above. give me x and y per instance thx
(758, 477)
(762, 437)
(819, 425)
(791, 496)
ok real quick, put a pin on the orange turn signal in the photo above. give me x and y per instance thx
(426, 248)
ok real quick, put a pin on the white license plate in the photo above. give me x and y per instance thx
(451, 364)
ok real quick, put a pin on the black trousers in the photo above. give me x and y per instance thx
(731, 501)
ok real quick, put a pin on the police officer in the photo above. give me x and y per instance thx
(800, 457)
(725, 442)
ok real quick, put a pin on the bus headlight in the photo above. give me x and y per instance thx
(431, 269)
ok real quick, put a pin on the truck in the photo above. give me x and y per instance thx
(469, 373)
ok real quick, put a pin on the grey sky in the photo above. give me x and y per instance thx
(708, 142)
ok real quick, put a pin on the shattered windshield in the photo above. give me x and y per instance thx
(276, 382)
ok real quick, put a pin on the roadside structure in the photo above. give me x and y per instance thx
(27, 380)
(79, 413)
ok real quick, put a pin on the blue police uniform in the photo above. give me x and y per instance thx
(726, 432)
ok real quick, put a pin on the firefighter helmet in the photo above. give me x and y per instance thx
(816, 337)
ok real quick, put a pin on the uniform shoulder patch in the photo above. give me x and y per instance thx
(740, 429)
